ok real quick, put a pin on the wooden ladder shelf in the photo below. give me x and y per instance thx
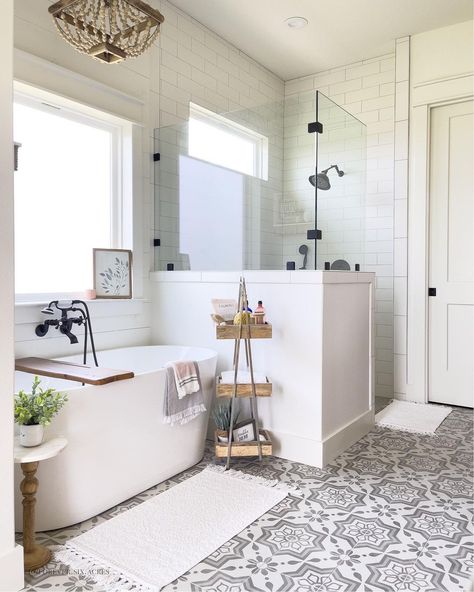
(243, 333)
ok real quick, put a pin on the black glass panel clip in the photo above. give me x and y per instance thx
(315, 127)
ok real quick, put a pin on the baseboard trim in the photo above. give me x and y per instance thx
(11, 570)
(319, 453)
(347, 435)
(297, 448)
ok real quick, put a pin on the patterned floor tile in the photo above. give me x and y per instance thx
(438, 526)
(454, 570)
(403, 576)
(393, 513)
(310, 578)
(371, 533)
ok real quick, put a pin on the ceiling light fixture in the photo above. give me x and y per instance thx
(108, 30)
(296, 22)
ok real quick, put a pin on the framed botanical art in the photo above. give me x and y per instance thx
(113, 273)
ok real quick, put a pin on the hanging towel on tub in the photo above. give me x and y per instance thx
(181, 411)
(186, 376)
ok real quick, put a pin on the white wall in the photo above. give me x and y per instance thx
(188, 62)
(400, 213)
(43, 59)
(441, 71)
(367, 90)
(11, 557)
(318, 318)
(442, 53)
(393, 95)
(196, 65)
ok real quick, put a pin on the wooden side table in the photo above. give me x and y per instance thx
(35, 555)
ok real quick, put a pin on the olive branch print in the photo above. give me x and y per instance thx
(115, 278)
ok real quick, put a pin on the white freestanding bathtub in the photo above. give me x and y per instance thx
(118, 445)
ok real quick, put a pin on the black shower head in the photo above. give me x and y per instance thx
(322, 178)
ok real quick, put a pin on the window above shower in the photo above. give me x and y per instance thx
(250, 188)
(219, 140)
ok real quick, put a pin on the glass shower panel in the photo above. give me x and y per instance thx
(209, 213)
(341, 186)
(241, 190)
(297, 211)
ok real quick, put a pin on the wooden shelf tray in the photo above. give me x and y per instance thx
(70, 371)
(252, 331)
(242, 449)
(263, 389)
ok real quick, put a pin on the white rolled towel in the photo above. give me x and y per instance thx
(243, 377)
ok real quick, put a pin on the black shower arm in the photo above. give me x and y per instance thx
(333, 166)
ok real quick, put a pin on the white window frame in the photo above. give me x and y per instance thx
(121, 132)
(259, 141)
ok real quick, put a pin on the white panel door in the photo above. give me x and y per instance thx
(451, 269)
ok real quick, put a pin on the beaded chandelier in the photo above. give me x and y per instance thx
(108, 30)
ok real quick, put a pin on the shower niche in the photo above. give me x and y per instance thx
(279, 186)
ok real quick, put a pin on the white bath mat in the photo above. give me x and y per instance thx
(412, 417)
(149, 546)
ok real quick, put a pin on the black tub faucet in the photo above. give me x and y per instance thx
(65, 323)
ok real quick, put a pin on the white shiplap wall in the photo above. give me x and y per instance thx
(367, 90)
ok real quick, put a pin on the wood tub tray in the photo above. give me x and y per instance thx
(71, 371)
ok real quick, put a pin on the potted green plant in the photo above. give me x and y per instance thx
(35, 410)
(221, 415)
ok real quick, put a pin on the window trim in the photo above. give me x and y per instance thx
(121, 133)
(259, 141)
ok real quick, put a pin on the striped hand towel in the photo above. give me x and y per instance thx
(178, 411)
(186, 376)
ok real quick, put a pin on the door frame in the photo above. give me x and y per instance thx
(424, 98)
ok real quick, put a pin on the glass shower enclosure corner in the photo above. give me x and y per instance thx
(278, 186)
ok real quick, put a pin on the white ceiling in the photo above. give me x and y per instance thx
(339, 31)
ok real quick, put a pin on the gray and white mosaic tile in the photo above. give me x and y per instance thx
(394, 512)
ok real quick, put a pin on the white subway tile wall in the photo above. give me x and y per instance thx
(402, 106)
(341, 211)
(198, 66)
(367, 90)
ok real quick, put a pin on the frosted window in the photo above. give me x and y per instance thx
(207, 242)
(63, 199)
(223, 142)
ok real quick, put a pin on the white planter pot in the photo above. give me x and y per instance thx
(31, 435)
